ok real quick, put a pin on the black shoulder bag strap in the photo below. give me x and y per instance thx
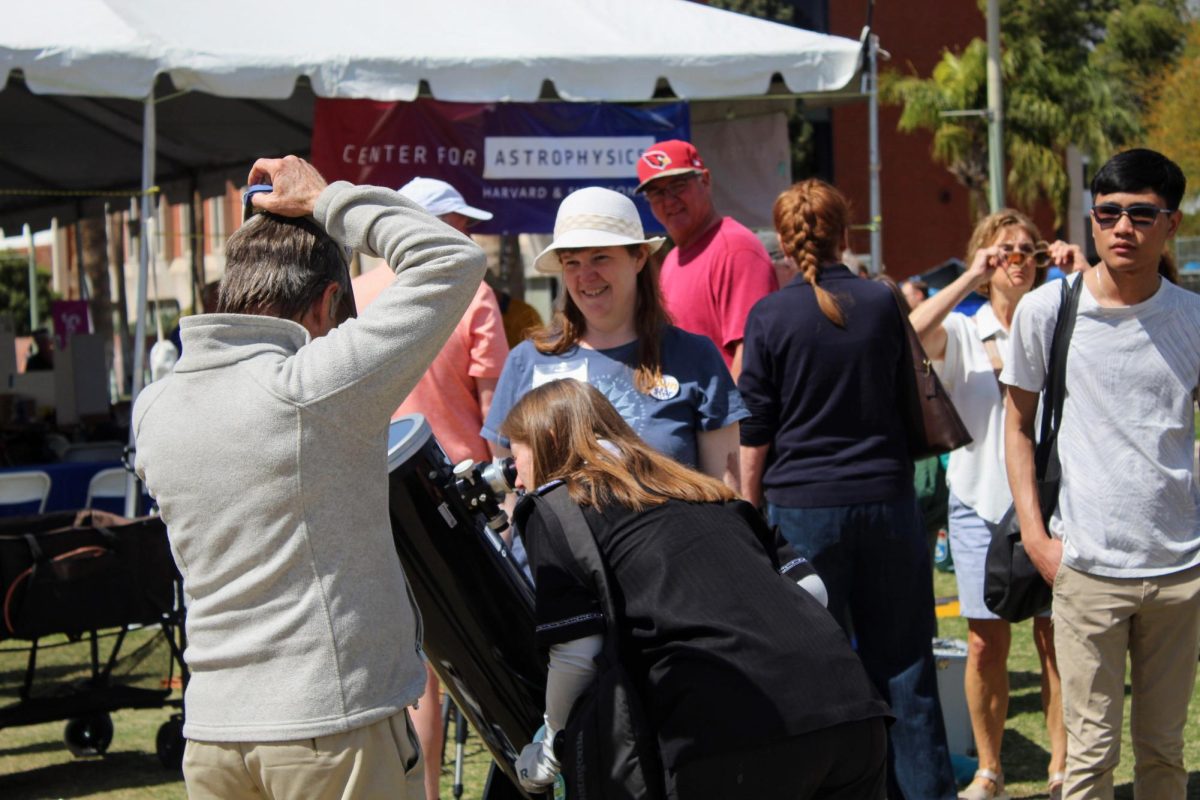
(567, 516)
(1049, 471)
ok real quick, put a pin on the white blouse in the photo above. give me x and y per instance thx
(976, 474)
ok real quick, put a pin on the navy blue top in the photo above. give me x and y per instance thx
(697, 393)
(825, 398)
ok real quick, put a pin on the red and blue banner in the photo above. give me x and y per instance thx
(516, 160)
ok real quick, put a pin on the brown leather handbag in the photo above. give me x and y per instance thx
(933, 424)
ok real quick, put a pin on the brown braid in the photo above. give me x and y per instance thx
(811, 219)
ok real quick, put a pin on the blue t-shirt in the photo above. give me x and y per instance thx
(697, 393)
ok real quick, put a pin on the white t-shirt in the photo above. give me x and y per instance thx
(976, 474)
(1128, 504)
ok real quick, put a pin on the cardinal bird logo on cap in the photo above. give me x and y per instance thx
(656, 159)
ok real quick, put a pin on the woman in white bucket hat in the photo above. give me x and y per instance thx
(610, 330)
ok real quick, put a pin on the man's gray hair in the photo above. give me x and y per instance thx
(279, 266)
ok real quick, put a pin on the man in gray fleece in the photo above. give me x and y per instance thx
(266, 452)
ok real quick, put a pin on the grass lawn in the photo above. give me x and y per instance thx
(1026, 750)
(35, 765)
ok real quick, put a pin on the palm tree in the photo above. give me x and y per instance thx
(1073, 75)
(1044, 112)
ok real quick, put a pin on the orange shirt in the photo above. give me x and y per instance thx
(446, 393)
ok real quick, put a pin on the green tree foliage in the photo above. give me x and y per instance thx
(1074, 73)
(1171, 119)
(14, 291)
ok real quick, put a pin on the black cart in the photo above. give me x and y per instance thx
(91, 579)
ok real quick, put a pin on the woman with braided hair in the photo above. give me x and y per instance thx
(825, 448)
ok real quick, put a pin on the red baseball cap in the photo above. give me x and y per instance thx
(672, 157)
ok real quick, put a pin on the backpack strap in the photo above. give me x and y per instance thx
(1054, 392)
(564, 517)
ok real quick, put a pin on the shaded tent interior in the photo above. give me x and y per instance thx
(54, 146)
(59, 154)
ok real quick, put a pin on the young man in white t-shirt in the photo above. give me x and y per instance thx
(1124, 558)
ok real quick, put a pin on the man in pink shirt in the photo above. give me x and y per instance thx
(718, 269)
(454, 395)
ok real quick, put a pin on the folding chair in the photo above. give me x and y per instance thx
(107, 486)
(23, 492)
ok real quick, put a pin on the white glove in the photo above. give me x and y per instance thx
(536, 766)
(816, 587)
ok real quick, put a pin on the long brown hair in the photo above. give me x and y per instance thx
(563, 423)
(568, 324)
(811, 219)
(988, 228)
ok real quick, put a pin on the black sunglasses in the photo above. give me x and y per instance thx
(1142, 215)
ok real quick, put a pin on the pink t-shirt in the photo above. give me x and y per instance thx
(446, 393)
(710, 286)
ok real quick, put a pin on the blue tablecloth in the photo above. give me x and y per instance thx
(68, 486)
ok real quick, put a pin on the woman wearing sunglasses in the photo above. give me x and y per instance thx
(1006, 259)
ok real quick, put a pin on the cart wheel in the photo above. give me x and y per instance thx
(88, 736)
(169, 743)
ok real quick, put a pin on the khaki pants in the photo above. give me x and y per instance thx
(1097, 621)
(382, 760)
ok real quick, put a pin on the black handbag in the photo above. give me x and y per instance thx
(1012, 587)
(608, 750)
(71, 572)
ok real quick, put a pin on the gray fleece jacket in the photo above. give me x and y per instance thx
(267, 455)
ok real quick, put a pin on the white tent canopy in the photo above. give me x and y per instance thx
(470, 51)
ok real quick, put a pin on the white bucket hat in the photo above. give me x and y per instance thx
(594, 217)
(438, 198)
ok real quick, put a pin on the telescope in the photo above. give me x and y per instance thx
(475, 602)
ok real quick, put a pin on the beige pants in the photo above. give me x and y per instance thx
(382, 760)
(1097, 621)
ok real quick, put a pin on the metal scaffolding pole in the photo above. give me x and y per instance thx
(132, 490)
(995, 109)
(873, 153)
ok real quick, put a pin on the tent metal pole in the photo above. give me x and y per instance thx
(132, 490)
(34, 321)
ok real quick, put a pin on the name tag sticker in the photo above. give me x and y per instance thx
(547, 373)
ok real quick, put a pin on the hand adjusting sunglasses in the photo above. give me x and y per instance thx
(346, 305)
(1141, 215)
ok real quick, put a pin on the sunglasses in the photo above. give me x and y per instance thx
(672, 188)
(1039, 253)
(1141, 215)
